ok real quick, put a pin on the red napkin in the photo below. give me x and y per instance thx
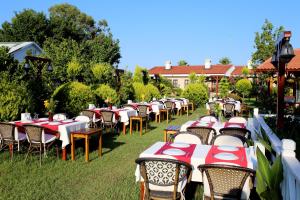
(240, 153)
(185, 158)
(195, 124)
(228, 124)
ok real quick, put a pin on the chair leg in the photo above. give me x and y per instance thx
(28, 151)
(11, 151)
(40, 155)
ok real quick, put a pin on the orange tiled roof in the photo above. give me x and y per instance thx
(293, 65)
(198, 69)
(238, 71)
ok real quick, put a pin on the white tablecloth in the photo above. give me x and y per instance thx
(126, 113)
(198, 158)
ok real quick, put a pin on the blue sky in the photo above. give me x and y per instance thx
(151, 32)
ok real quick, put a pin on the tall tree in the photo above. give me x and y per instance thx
(225, 61)
(67, 21)
(265, 42)
(27, 25)
(182, 63)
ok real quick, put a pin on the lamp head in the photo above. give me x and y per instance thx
(286, 53)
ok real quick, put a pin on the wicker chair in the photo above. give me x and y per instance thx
(229, 140)
(205, 133)
(236, 131)
(226, 181)
(212, 108)
(228, 109)
(108, 119)
(7, 137)
(141, 117)
(168, 110)
(186, 137)
(164, 178)
(39, 140)
(92, 115)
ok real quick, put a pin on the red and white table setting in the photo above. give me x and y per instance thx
(63, 127)
(196, 155)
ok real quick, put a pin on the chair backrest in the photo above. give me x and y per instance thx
(211, 105)
(7, 131)
(60, 116)
(169, 104)
(228, 107)
(33, 132)
(238, 120)
(229, 140)
(107, 115)
(203, 132)
(236, 131)
(225, 181)
(208, 118)
(142, 110)
(188, 137)
(163, 172)
(90, 114)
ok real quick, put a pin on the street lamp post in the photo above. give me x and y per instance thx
(281, 57)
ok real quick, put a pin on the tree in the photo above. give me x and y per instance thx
(196, 93)
(67, 21)
(27, 25)
(225, 61)
(245, 71)
(244, 86)
(74, 69)
(224, 87)
(103, 73)
(140, 75)
(126, 91)
(265, 42)
(182, 63)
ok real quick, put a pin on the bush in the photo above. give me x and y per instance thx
(224, 87)
(105, 92)
(14, 100)
(73, 97)
(196, 93)
(244, 86)
(145, 92)
(235, 97)
(126, 90)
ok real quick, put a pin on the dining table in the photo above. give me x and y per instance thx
(199, 154)
(120, 114)
(62, 127)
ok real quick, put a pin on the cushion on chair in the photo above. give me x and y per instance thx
(21, 136)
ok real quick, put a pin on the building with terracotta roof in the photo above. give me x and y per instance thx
(179, 75)
(292, 73)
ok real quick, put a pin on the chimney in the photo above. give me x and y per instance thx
(168, 65)
(207, 63)
(249, 64)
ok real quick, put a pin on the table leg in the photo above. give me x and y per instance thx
(142, 190)
(72, 147)
(130, 126)
(167, 116)
(141, 127)
(87, 148)
(124, 128)
(64, 153)
(165, 135)
(100, 144)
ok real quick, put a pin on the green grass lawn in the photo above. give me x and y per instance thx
(109, 177)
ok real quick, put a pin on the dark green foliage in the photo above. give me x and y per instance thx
(265, 42)
(73, 97)
(224, 87)
(126, 90)
(27, 25)
(182, 63)
(197, 93)
(225, 61)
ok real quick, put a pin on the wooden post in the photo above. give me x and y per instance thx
(280, 95)
(217, 86)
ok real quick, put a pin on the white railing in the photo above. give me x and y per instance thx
(290, 187)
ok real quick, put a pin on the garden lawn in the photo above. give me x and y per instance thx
(109, 177)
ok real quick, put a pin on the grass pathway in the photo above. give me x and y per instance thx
(111, 177)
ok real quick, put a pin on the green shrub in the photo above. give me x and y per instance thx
(145, 92)
(14, 100)
(73, 97)
(126, 90)
(105, 92)
(196, 93)
(235, 97)
(244, 86)
(224, 87)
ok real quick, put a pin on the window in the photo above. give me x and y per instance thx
(175, 82)
(186, 82)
